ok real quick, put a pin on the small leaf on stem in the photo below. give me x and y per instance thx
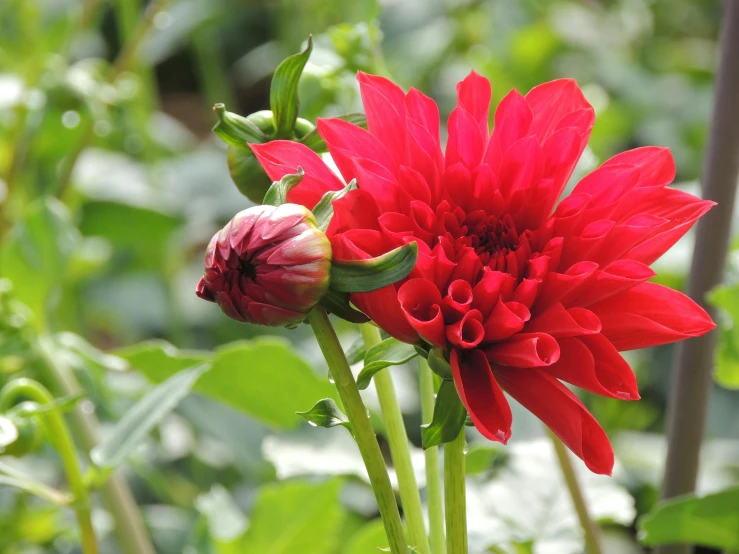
(325, 413)
(277, 193)
(381, 355)
(283, 94)
(449, 417)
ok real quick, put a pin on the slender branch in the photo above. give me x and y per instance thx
(399, 449)
(130, 529)
(455, 502)
(590, 529)
(62, 441)
(692, 384)
(361, 428)
(433, 477)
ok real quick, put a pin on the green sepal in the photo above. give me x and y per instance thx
(381, 355)
(449, 417)
(324, 210)
(21, 432)
(439, 364)
(236, 130)
(325, 413)
(277, 193)
(283, 93)
(374, 273)
(337, 303)
(315, 142)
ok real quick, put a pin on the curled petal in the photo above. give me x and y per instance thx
(467, 332)
(562, 412)
(481, 395)
(421, 301)
(507, 319)
(525, 350)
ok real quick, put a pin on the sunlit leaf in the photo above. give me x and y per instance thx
(324, 210)
(283, 94)
(448, 419)
(325, 413)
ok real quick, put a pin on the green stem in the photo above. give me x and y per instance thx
(399, 449)
(361, 428)
(59, 436)
(433, 477)
(130, 529)
(454, 495)
(589, 527)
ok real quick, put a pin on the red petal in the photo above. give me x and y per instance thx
(558, 322)
(593, 364)
(382, 307)
(613, 279)
(552, 101)
(650, 315)
(356, 210)
(563, 413)
(466, 142)
(481, 395)
(656, 165)
(467, 332)
(507, 319)
(473, 95)
(525, 350)
(282, 157)
(384, 106)
(421, 303)
(512, 121)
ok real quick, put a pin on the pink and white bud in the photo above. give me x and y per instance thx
(269, 266)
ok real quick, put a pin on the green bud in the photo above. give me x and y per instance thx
(247, 174)
(236, 130)
(21, 432)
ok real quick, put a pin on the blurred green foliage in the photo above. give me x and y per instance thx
(111, 185)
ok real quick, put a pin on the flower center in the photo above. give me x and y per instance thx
(491, 237)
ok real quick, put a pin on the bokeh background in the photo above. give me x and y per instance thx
(110, 189)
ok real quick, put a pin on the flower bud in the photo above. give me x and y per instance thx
(269, 266)
(21, 432)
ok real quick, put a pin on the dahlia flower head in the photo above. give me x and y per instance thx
(523, 292)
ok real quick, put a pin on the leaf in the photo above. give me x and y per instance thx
(283, 93)
(324, 210)
(369, 539)
(295, 517)
(144, 416)
(315, 142)
(448, 419)
(35, 253)
(337, 303)
(263, 378)
(13, 478)
(356, 351)
(711, 520)
(438, 364)
(277, 193)
(727, 353)
(381, 355)
(374, 273)
(325, 413)
(236, 130)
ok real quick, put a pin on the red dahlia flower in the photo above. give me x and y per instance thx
(269, 265)
(524, 293)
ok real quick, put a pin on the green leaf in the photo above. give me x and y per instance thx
(324, 210)
(337, 303)
(369, 539)
(277, 193)
(11, 477)
(236, 130)
(263, 378)
(438, 364)
(144, 416)
(448, 419)
(315, 142)
(711, 520)
(381, 355)
(35, 253)
(325, 413)
(283, 93)
(295, 517)
(356, 351)
(374, 273)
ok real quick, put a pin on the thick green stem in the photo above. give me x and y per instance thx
(455, 503)
(62, 441)
(589, 527)
(399, 449)
(433, 476)
(362, 431)
(130, 529)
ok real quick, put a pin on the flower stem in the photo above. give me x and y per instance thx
(59, 436)
(589, 527)
(361, 428)
(455, 503)
(399, 450)
(433, 477)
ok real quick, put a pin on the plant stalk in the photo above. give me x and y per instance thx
(62, 441)
(399, 448)
(434, 497)
(455, 502)
(590, 529)
(362, 430)
(130, 529)
(694, 360)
